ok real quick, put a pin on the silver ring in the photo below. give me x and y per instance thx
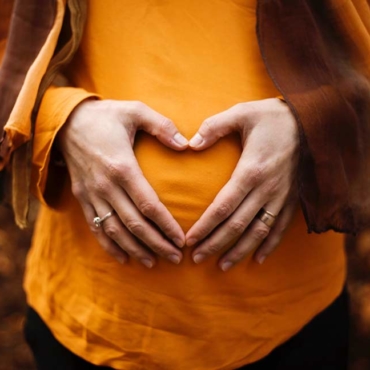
(98, 221)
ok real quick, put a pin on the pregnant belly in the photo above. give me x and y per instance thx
(187, 182)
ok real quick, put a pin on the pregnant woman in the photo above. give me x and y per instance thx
(159, 243)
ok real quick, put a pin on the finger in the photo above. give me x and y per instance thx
(242, 181)
(117, 232)
(215, 127)
(232, 229)
(105, 242)
(131, 179)
(159, 126)
(252, 238)
(141, 228)
(276, 233)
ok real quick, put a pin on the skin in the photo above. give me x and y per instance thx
(263, 178)
(105, 175)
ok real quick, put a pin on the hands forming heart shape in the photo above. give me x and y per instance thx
(105, 175)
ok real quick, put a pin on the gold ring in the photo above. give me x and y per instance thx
(266, 217)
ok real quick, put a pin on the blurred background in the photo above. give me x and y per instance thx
(14, 244)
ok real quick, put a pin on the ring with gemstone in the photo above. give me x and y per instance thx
(98, 221)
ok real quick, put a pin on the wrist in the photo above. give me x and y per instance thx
(63, 131)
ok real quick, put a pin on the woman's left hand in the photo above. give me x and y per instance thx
(264, 178)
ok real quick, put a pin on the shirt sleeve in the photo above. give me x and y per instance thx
(56, 106)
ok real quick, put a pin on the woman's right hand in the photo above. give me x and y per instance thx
(96, 143)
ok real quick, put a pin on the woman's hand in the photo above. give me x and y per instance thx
(97, 145)
(263, 178)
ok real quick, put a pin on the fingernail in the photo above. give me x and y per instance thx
(261, 259)
(174, 258)
(190, 242)
(198, 258)
(178, 242)
(196, 140)
(147, 262)
(226, 266)
(179, 139)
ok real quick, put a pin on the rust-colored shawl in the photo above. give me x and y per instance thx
(318, 55)
(43, 36)
(30, 27)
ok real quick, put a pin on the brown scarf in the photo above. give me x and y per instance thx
(309, 55)
(320, 73)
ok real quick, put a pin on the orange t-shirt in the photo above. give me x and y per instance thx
(188, 60)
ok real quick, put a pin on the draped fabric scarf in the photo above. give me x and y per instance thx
(318, 55)
(316, 52)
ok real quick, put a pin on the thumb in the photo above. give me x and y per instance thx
(212, 129)
(161, 127)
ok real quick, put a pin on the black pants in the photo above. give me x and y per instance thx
(321, 345)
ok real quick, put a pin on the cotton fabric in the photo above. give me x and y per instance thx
(176, 57)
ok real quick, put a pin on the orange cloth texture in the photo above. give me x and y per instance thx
(188, 60)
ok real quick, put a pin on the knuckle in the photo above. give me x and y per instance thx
(148, 209)
(111, 230)
(166, 125)
(116, 170)
(78, 190)
(159, 249)
(101, 185)
(240, 109)
(223, 211)
(256, 173)
(236, 227)
(128, 247)
(209, 124)
(252, 110)
(135, 227)
(136, 106)
(261, 232)
(202, 231)
(168, 228)
(238, 256)
(133, 250)
(133, 109)
(213, 247)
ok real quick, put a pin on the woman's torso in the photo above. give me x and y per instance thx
(188, 60)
